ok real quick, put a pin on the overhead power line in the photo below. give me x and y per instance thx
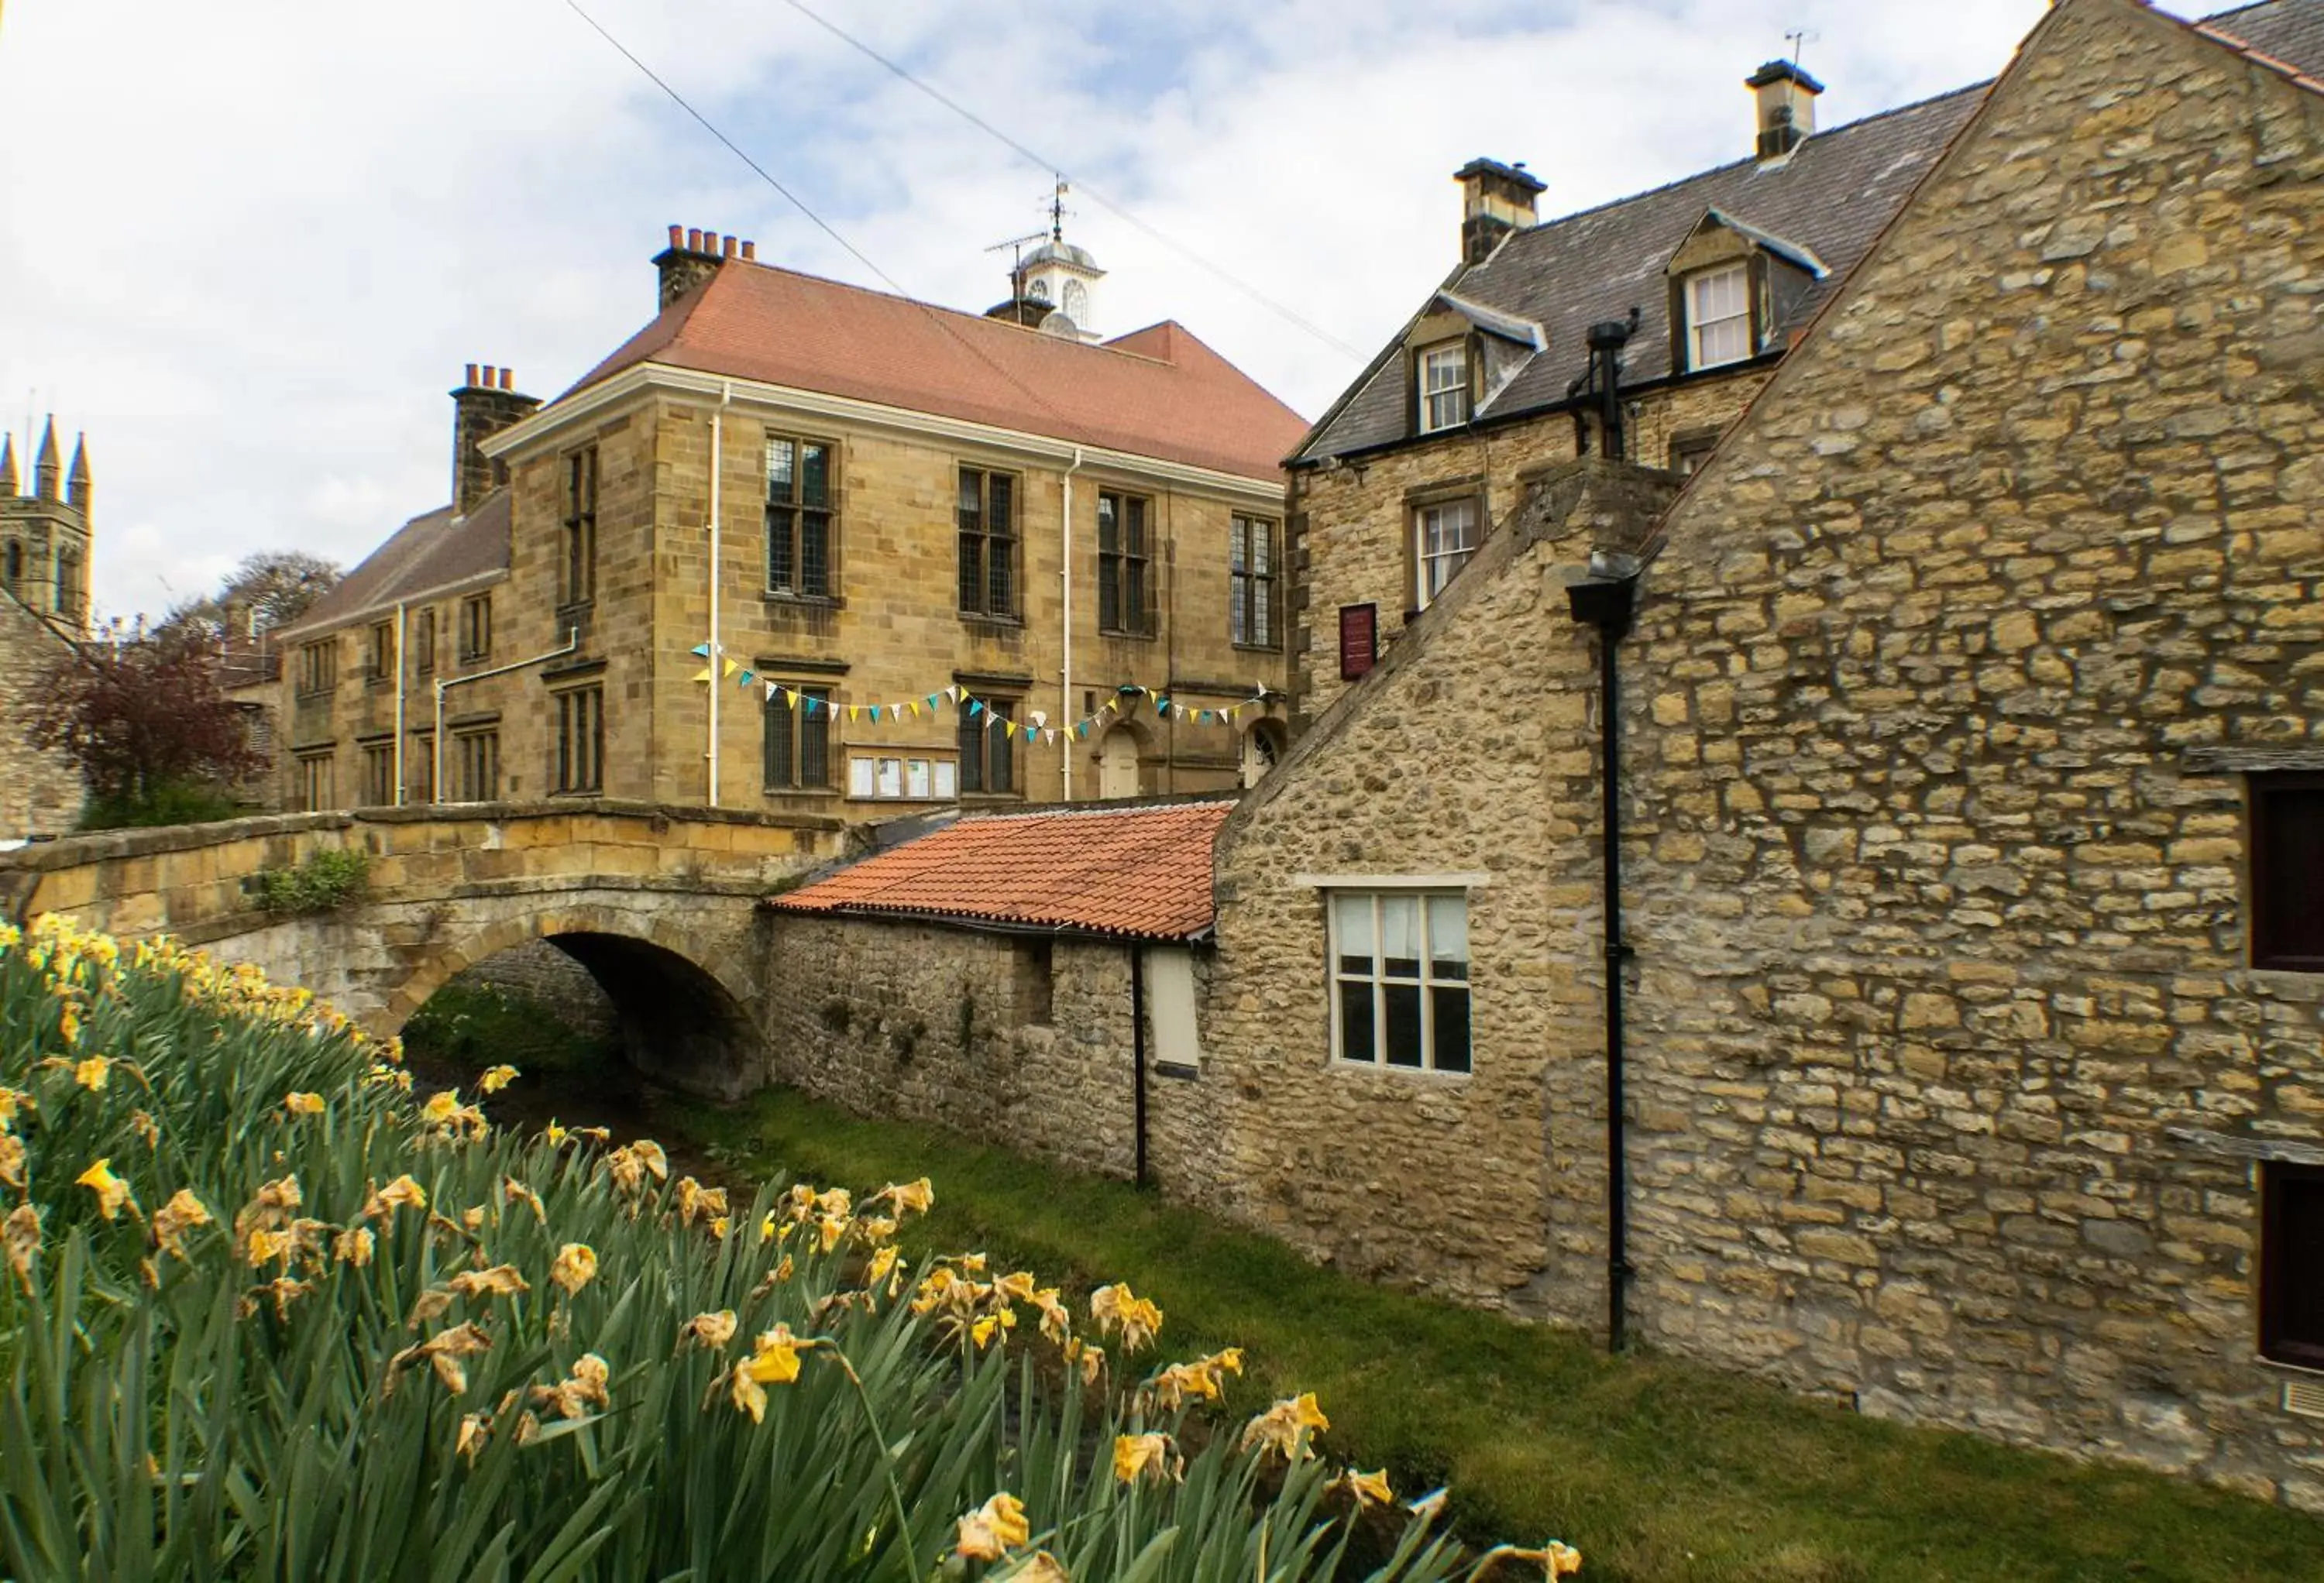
(800, 203)
(1042, 160)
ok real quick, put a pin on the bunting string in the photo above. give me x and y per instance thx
(1124, 701)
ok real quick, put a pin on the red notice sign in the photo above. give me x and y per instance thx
(1358, 639)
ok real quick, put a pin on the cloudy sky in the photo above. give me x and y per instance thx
(247, 245)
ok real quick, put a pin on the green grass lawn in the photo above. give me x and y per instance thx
(1655, 1467)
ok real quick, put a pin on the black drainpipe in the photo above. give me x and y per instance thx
(1605, 600)
(1138, 1049)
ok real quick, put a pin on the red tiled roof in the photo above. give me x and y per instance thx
(1156, 392)
(1137, 873)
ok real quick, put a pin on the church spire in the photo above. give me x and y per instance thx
(77, 479)
(44, 466)
(7, 467)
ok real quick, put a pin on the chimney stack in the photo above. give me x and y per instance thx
(1495, 200)
(693, 256)
(485, 403)
(1787, 96)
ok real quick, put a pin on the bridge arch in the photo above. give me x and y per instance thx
(679, 997)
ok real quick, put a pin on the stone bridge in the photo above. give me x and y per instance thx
(658, 903)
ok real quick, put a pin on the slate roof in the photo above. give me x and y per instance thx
(432, 551)
(1156, 392)
(1140, 873)
(1831, 196)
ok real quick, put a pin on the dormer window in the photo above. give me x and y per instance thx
(1444, 387)
(1718, 316)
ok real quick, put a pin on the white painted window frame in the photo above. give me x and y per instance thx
(1428, 587)
(1444, 375)
(1701, 322)
(1425, 980)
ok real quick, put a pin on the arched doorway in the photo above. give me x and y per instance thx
(1262, 750)
(1117, 763)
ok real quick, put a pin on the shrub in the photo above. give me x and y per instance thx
(266, 1317)
(323, 883)
(165, 802)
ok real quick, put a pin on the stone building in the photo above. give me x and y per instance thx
(1033, 977)
(1679, 301)
(960, 561)
(45, 541)
(1965, 773)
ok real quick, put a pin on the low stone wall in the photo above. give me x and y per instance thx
(924, 1023)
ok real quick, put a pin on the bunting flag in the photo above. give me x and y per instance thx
(1034, 725)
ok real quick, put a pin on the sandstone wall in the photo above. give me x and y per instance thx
(40, 792)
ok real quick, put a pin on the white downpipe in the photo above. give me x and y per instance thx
(436, 745)
(717, 655)
(399, 702)
(1065, 666)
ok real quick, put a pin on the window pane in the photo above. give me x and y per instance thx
(1000, 505)
(1133, 596)
(1448, 936)
(2287, 872)
(1109, 592)
(1262, 546)
(2291, 1258)
(815, 475)
(891, 778)
(1728, 341)
(948, 778)
(1352, 930)
(1449, 1007)
(814, 554)
(781, 569)
(1133, 526)
(916, 778)
(861, 779)
(1402, 1003)
(1400, 936)
(1356, 1038)
(1238, 608)
(971, 750)
(1001, 580)
(972, 500)
(1238, 543)
(1001, 750)
(782, 471)
(1109, 523)
(972, 572)
(815, 745)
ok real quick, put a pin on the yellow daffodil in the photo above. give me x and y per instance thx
(1286, 1426)
(304, 1104)
(494, 1079)
(909, 1197)
(20, 1234)
(574, 1268)
(282, 1291)
(554, 1135)
(836, 1204)
(882, 1263)
(475, 1429)
(173, 1220)
(442, 1106)
(1040, 1567)
(999, 1323)
(431, 1305)
(832, 1228)
(517, 1193)
(91, 1074)
(1370, 1490)
(1057, 1318)
(1116, 1307)
(1555, 1560)
(1018, 1286)
(650, 1153)
(441, 1352)
(500, 1280)
(1137, 1454)
(402, 1193)
(68, 1026)
(472, 1218)
(148, 1131)
(783, 1269)
(12, 1159)
(709, 1329)
(262, 1246)
(112, 1193)
(352, 1247)
(12, 1103)
(993, 1529)
(774, 1357)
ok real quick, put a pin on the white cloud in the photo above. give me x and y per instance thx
(249, 244)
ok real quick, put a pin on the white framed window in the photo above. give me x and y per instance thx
(1444, 538)
(899, 779)
(1718, 316)
(1444, 387)
(1400, 978)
